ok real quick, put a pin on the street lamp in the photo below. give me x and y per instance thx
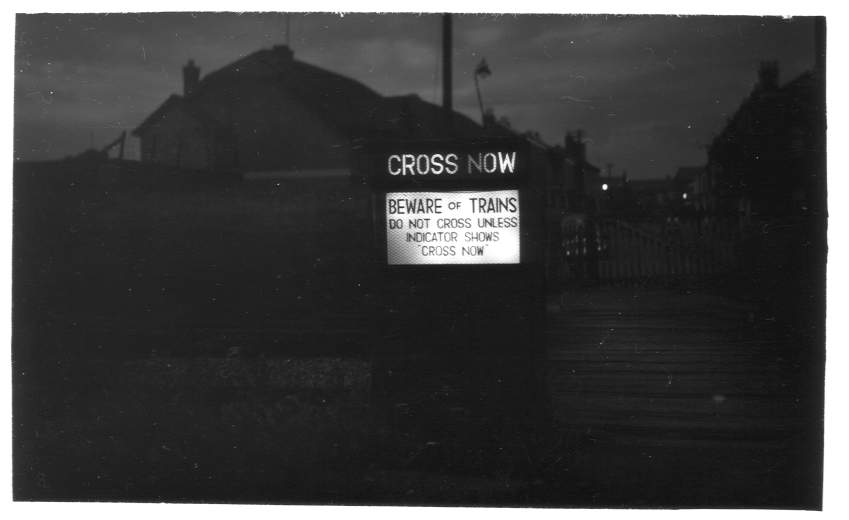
(483, 71)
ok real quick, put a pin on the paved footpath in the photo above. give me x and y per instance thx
(675, 398)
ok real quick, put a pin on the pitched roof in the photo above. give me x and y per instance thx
(796, 96)
(172, 101)
(414, 118)
(587, 166)
(354, 109)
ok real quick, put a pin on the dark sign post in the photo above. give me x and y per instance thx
(459, 241)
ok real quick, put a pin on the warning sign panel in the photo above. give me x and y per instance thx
(458, 227)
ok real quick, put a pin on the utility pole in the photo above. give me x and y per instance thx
(447, 104)
(288, 30)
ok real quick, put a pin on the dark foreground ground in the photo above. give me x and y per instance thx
(208, 342)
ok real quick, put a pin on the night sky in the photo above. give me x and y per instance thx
(648, 92)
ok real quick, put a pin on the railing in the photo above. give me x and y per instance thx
(608, 249)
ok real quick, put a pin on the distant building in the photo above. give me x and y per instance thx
(650, 198)
(688, 186)
(269, 111)
(769, 158)
(654, 197)
(575, 185)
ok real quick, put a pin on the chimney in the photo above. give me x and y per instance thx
(191, 78)
(569, 144)
(575, 149)
(582, 147)
(284, 51)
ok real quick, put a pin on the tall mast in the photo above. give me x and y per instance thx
(446, 66)
(288, 27)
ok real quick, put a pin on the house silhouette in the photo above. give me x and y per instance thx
(271, 112)
(769, 158)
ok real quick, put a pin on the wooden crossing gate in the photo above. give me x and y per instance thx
(606, 249)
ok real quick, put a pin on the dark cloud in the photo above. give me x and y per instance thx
(649, 92)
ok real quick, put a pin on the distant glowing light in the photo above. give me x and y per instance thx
(684, 196)
(604, 188)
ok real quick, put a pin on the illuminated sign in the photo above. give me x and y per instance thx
(457, 227)
(451, 164)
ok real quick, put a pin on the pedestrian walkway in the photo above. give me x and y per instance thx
(695, 380)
